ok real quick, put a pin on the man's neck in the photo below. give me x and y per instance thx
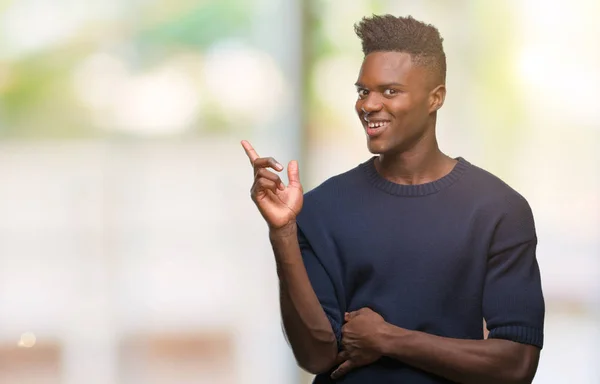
(416, 166)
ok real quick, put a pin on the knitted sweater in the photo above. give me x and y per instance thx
(436, 257)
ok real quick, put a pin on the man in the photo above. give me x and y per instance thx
(387, 271)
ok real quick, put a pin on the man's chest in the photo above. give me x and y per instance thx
(408, 252)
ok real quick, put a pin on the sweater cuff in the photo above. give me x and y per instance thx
(519, 334)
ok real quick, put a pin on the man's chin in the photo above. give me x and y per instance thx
(375, 148)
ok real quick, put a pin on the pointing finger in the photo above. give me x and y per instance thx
(250, 152)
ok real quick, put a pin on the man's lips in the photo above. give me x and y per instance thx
(376, 128)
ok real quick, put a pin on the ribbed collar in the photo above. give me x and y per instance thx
(413, 190)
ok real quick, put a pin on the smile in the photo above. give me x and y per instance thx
(375, 128)
(378, 124)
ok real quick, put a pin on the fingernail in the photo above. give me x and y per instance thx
(279, 166)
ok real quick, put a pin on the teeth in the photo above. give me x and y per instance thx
(377, 124)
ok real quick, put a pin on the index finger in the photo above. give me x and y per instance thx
(250, 152)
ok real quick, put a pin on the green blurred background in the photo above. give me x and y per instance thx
(130, 251)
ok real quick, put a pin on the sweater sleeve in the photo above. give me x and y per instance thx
(322, 284)
(513, 303)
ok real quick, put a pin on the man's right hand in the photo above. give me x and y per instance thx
(279, 205)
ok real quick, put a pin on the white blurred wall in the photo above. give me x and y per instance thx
(101, 243)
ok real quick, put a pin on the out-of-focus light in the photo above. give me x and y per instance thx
(31, 25)
(163, 101)
(27, 26)
(244, 82)
(548, 53)
(27, 340)
(540, 74)
(98, 79)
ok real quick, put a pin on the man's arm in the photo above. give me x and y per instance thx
(307, 327)
(492, 361)
(367, 337)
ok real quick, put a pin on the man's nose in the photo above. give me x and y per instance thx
(372, 103)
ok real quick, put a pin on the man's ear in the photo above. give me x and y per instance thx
(436, 98)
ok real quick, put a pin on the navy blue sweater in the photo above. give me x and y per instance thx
(436, 257)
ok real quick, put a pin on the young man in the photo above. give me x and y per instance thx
(387, 271)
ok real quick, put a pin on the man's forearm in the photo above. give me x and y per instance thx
(490, 361)
(307, 327)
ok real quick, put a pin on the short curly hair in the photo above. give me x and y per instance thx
(404, 34)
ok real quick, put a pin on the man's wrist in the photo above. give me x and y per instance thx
(284, 241)
(290, 230)
(391, 339)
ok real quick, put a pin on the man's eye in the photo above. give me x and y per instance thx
(362, 93)
(389, 92)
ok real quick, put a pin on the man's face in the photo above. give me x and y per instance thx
(394, 102)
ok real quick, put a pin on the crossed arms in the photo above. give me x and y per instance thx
(366, 336)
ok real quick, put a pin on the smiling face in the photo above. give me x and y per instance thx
(397, 101)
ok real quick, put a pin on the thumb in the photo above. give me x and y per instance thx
(343, 369)
(293, 173)
(352, 315)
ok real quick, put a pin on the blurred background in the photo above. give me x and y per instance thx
(130, 251)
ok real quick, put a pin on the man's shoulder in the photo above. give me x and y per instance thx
(332, 195)
(334, 185)
(493, 190)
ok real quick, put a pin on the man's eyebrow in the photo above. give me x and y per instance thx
(359, 85)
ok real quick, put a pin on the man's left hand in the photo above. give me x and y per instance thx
(362, 337)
